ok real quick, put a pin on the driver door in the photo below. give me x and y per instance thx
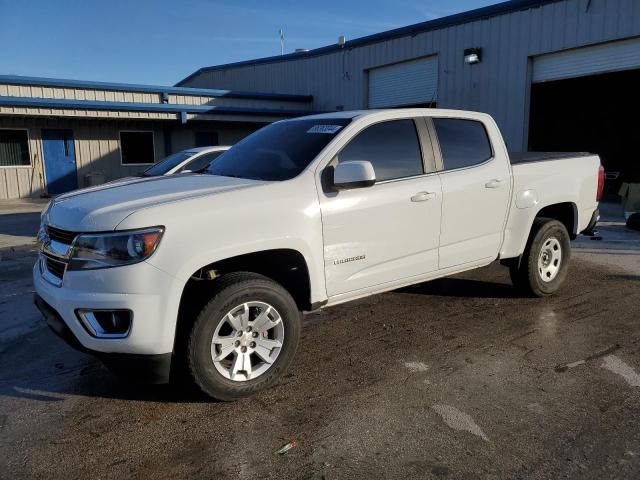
(390, 231)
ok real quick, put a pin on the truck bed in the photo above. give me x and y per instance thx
(530, 157)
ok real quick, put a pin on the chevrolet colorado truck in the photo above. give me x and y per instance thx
(205, 276)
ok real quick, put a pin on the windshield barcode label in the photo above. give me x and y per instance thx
(324, 129)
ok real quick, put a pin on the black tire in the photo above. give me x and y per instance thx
(230, 291)
(525, 275)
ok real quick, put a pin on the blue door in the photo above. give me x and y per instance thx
(59, 161)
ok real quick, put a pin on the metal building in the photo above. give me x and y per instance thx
(57, 135)
(555, 74)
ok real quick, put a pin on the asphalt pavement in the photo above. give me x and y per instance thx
(456, 378)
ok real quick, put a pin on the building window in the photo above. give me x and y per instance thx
(137, 148)
(14, 148)
(463, 143)
(206, 139)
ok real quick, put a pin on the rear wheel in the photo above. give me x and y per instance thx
(244, 338)
(545, 262)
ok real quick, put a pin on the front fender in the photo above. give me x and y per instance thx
(198, 232)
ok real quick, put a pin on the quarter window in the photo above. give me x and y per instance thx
(463, 143)
(392, 148)
(14, 148)
(136, 148)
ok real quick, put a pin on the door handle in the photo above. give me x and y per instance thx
(423, 196)
(495, 183)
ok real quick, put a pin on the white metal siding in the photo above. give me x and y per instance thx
(39, 91)
(498, 85)
(608, 57)
(405, 83)
(97, 147)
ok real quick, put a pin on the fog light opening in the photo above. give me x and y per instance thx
(106, 323)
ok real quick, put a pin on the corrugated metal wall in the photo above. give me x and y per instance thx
(184, 137)
(97, 147)
(18, 182)
(578, 62)
(84, 113)
(405, 83)
(38, 91)
(96, 129)
(499, 85)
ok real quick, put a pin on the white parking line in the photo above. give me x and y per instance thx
(615, 365)
(458, 420)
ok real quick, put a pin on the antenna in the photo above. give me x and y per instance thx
(281, 33)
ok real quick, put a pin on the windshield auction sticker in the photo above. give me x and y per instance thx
(324, 129)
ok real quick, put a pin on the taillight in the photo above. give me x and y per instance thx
(600, 183)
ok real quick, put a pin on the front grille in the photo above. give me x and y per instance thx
(62, 236)
(55, 267)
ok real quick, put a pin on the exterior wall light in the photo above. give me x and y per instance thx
(472, 55)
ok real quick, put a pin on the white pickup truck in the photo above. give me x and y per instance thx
(205, 276)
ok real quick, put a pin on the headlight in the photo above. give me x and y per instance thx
(104, 250)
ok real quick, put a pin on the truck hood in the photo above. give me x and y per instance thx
(102, 208)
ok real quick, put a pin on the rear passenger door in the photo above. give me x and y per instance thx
(475, 192)
(390, 231)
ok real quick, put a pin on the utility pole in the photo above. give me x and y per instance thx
(281, 41)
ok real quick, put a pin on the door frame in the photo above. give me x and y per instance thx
(45, 181)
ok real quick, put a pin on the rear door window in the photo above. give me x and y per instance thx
(463, 143)
(392, 148)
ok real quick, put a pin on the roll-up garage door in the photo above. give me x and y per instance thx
(607, 57)
(407, 83)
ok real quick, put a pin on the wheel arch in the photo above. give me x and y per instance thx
(285, 266)
(564, 212)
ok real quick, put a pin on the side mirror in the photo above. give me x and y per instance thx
(353, 174)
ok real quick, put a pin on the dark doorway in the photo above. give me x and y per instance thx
(596, 114)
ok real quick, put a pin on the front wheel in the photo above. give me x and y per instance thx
(545, 262)
(244, 338)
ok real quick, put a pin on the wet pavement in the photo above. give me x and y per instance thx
(457, 378)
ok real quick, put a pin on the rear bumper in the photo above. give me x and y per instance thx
(139, 367)
(590, 231)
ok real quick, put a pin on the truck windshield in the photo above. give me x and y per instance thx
(279, 151)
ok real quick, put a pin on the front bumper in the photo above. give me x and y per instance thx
(151, 294)
(145, 368)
